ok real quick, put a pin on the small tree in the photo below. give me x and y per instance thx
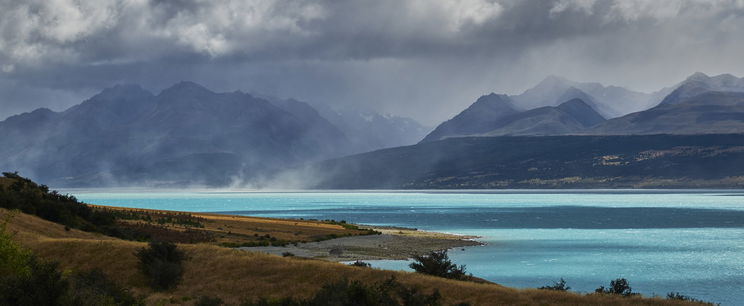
(360, 263)
(161, 262)
(619, 286)
(437, 263)
(557, 286)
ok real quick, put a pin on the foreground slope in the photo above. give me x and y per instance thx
(639, 161)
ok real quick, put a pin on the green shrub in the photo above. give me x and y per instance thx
(14, 260)
(619, 286)
(162, 263)
(31, 198)
(437, 263)
(43, 285)
(557, 286)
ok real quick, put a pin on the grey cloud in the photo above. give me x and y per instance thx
(421, 58)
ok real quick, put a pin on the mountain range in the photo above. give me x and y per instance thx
(609, 101)
(495, 115)
(186, 134)
(699, 105)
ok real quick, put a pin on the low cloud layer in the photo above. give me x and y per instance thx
(420, 58)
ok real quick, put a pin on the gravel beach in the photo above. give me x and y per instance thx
(393, 243)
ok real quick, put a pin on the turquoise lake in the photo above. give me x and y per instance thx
(690, 242)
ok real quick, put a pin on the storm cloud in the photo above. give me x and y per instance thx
(421, 58)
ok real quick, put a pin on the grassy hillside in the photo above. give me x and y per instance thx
(234, 275)
(639, 161)
(229, 230)
(25, 195)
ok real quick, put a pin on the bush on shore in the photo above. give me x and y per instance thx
(361, 264)
(557, 286)
(618, 286)
(437, 263)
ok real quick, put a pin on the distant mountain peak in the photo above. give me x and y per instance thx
(548, 85)
(573, 91)
(574, 102)
(610, 101)
(553, 80)
(493, 98)
(42, 110)
(725, 79)
(187, 84)
(186, 87)
(125, 86)
(698, 76)
(479, 117)
(35, 117)
(581, 111)
(699, 83)
(122, 90)
(491, 103)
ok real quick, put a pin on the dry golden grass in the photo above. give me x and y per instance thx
(233, 275)
(5, 182)
(31, 228)
(240, 229)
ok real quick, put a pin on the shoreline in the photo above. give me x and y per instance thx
(394, 243)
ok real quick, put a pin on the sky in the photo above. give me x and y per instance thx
(425, 59)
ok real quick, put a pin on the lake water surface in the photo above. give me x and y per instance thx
(661, 241)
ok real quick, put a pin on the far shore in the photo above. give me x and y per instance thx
(393, 243)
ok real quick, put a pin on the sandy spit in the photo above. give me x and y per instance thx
(393, 243)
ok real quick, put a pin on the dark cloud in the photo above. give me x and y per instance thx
(420, 58)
